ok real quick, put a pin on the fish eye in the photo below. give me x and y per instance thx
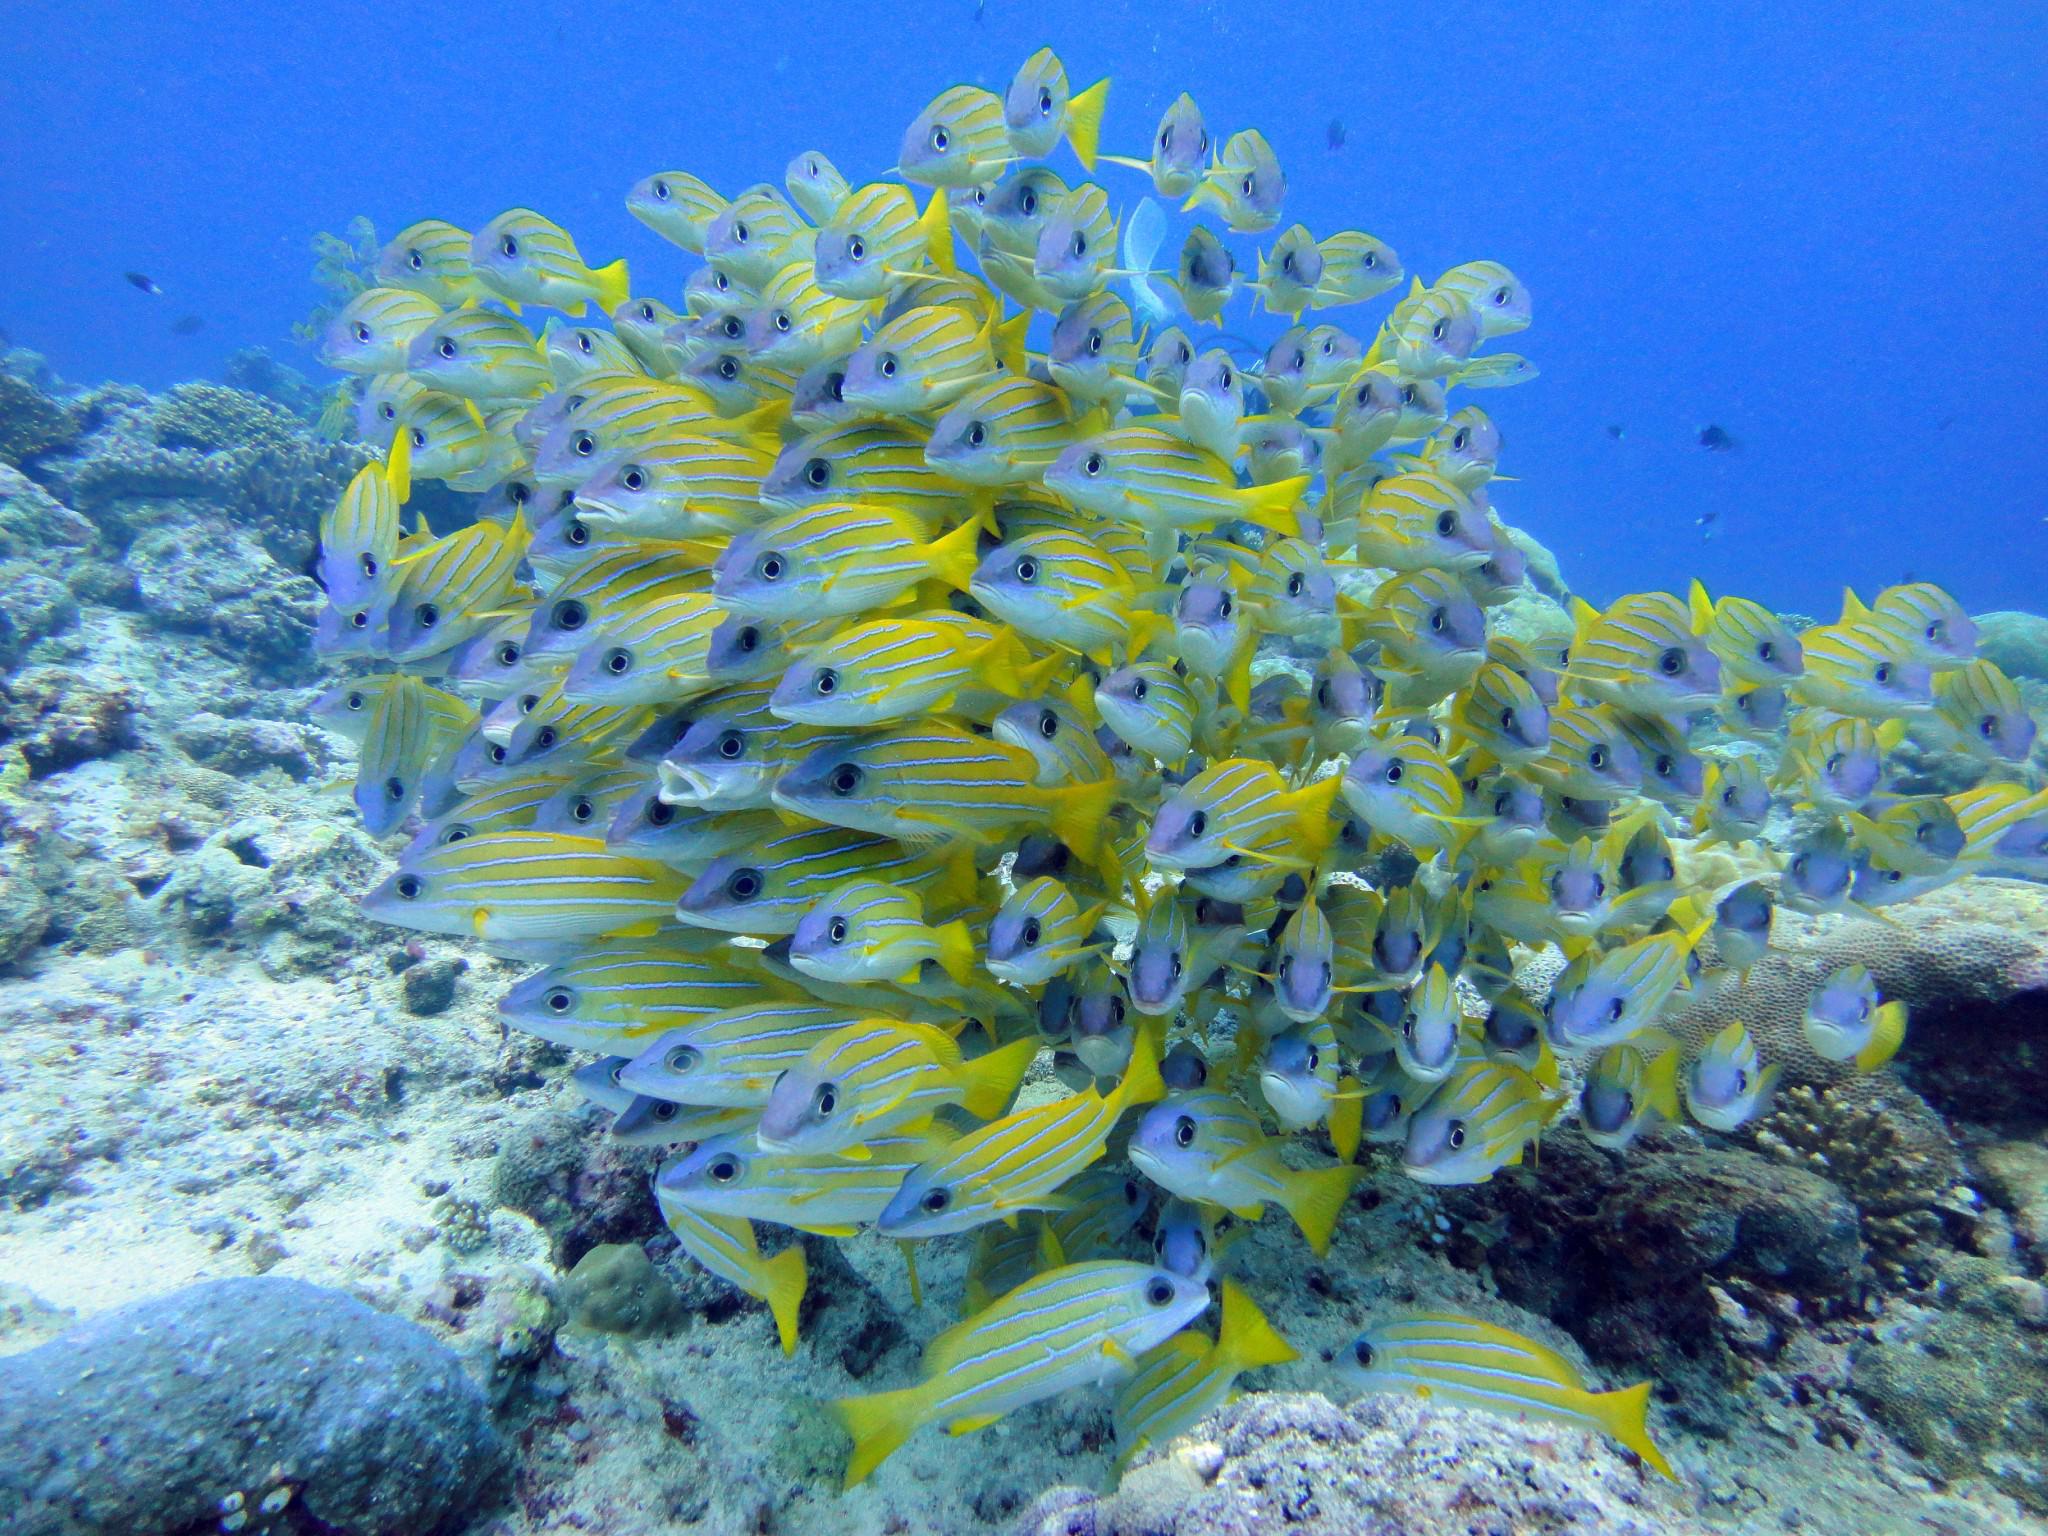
(845, 779)
(1323, 693)
(1409, 394)
(1116, 1009)
(731, 745)
(427, 615)
(770, 566)
(1184, 1131)
(1666, 765)
(577, 534)
(857, 248)
(1080, 243)
(1187, 354)
(1742, 1080)
(1507, 719)
(545, 737)
(362, 331)
(394, 788)
(1457, 1135)
(1159, 1291)
(744, 885)
(732, 327)
(584, 444)
(1027, 570)
(1044, 102)
(1179, 965)
(1095, 343)
(509, 246)
(1093, 466)
(1460, 437)
(446, 347)
(1883, 674)
(1224, 606)
(1834, 764)
(618, 661)
(498, 754)
(817, 472)
(661, 193)
(721, 282)
(724, 1169)
(570, 615)
(728, 369)
(1139, 688)
(782, 320)
(388, 411)
(582, 808)
(936, 1200)
(1671, 662)
(740, 233)
(1597, 758)
(1436, 332)
(1032, 931)
(886, 366)
(1245, 186)
(646, 311)
(836, 932)
(584, 343)
(1295, 583)
(826, 682)
(660, 813)
(1936, 630)
(1028, 201)
(1765, 650)
(1394, 771)
(408, 887)
(1287, 263)
(1502, 295)
(1446, 524)
(1166, 138)
(940, 139)
(1362, 1353)
(560, 1000)
(1198, 824)
(633, 477)
(1988, 727)
(1048, 724)
(977, 434)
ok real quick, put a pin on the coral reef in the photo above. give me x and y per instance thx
(238, 1397)
(2017, 643)
(1382, 1464)
(615, 1288)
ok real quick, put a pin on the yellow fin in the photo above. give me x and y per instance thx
(971, 1423)
(937, 224)
(909, 1247)
(1887, 1032)
(988, 1083)
(613, 286)
(954, 556)
(956, 951)
(879, 1422)
(1117, 1352)
(1315, 1198)
(398, 464)
(1273, 506)
(1347, 1117)
(1245, 1340)
(1660, 1084)
(1700, 606)
(1077, 812)
(1625, 1416)
(782, 1280)
(1084, 122)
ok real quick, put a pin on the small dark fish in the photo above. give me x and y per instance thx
(145, 283)
(1715, 439)
(1616, 431)
(1708, 516)
(1334, 134)
(187, 325)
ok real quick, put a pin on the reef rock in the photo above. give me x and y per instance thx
(1964, 1382)
(2016, 642)
(250, 1395)
(1289, 1462)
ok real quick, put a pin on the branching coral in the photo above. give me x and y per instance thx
(1906, 1188)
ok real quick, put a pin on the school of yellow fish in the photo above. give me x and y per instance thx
(902, 651)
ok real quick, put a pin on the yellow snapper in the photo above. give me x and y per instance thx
(1845, 1021)
(727, 1248)
(1180, 150)
(1754, 645)
(1148, 477)
(1066, 589)
(884, 670)
(1606, 996)
(429, 257)
(1481, 1118)
(1019, 1162)
(1985, 716)
(1180, 1382)
(1500, 302)
(1041, 930)
(1930, 625)
(1094, 350)
(1355, 267)
(1004, 432)
(524, 885)
(1079, 1325)
(1623, 1089)
(675, 205)
(826, 1193)
(1208, 1146)
(1642, 655)
(876, 237)
(374, 329)
(879, 1076)
(815, 185)
(524, 258)
(868, 930)
(766, 889)
(1727, 1084)
(1245, 185)
(837, 558)
(960, 140)
(478, 354)
(1474, 1364)
(1863, 668)
(408, 726)
(1039, 110)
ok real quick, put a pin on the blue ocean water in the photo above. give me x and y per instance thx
(1815, 227)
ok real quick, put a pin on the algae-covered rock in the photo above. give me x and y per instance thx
(1382, 1465)
(59, 717)
(169, 1414)
(615, 1288)
(24, 917)
(429, 987)
(1964, 1383)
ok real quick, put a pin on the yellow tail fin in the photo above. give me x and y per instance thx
(1625, 1416)
(1312, 804)
(1886, 1035)
(1078, 812)
(1315, 1199)
(782, 1280)
(1347, 1117)
(936, 223)
(1245, 1340)
(956, 951)
(1141, 1082)
(614, 287)
(1273, 506)
(1084, 122)
(1009, 343)
(398, 464)
(879, 1422)
(988, 1083)
(954, 556)
(1660, 1084)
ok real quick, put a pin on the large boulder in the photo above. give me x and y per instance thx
(243, 1396)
